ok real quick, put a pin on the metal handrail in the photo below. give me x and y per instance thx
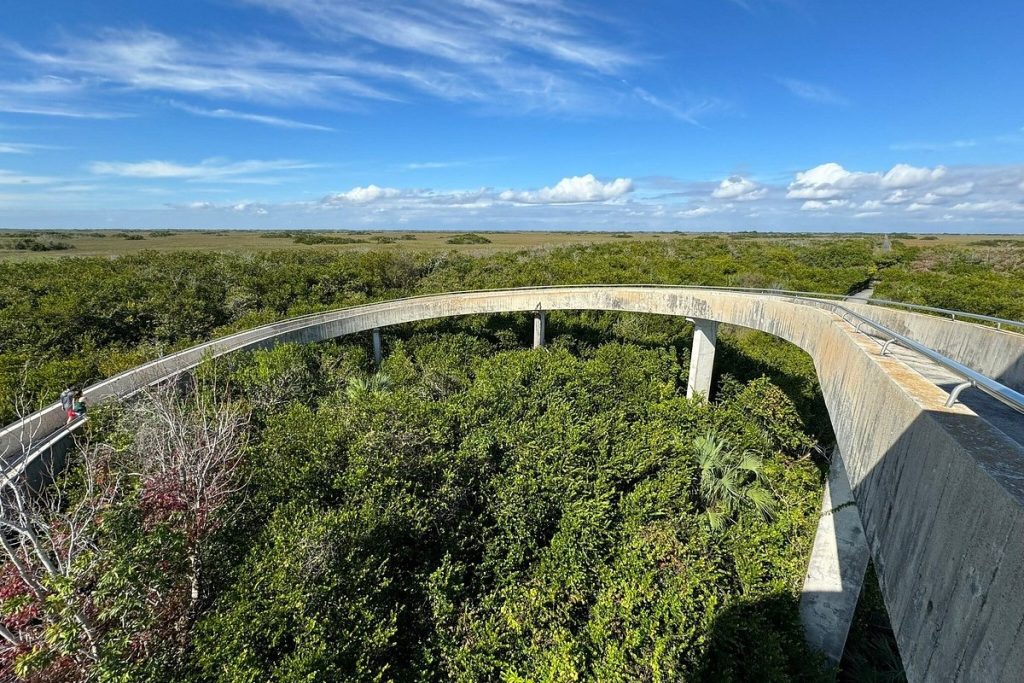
(999, 322)
(996, 390)
(953, 314)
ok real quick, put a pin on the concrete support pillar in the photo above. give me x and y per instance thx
(836, 569)
(539, 322)
(702, 358)
(378, 354)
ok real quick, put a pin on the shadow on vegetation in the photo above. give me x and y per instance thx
(757, 636)
(871, 654)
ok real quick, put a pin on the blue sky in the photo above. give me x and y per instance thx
(513, 114)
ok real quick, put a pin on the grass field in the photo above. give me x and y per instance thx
(119, 242)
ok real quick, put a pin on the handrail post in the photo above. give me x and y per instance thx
(955, 394)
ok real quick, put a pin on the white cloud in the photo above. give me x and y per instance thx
(363, 195)
(817, 205)
(932, 146)
(21, 147)
(483, 52)
(688, 113)
(831, 181)
(958, 190)
(574, 190)
(991, 206)
(208, 169)
(432, 165)
(13, 178)
(898, 197)
(739, 188)
(697, 212)
(48, 95)
(812, 92)
(827, 181)
(473, 33)
(265, 119)
(905, 176)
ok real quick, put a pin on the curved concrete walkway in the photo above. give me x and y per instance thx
(940, 491)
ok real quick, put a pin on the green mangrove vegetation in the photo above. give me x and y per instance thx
(468, 510)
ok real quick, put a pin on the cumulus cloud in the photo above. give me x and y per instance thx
(831, 181)
(991, 206)
(738, 188)
(905, 176)
(574, 190)
(974, 197)
(827, 181)
(818, 205)
(898, 197)
(697, 212)
(958, 190)
(363, 195)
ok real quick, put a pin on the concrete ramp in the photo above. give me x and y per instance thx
(939, 490)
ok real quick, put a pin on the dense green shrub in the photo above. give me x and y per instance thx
(37, 244)
(326, 239)
(985, 278)
(533, 516)
(468, 238)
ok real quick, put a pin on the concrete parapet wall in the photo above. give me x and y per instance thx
(939, 490)
(998, 354)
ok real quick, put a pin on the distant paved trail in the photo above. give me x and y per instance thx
(864, 294)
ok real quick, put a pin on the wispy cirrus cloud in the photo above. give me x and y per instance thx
(214, 169)
(49, 95)
(432, 165)
(276, 121)
(689, 112)
(932, 146)
(22, 147)
(504, 56)
(15, 178)
(467, 32)
(813, 92)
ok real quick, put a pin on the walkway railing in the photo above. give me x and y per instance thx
(970, 377)
(999, 323)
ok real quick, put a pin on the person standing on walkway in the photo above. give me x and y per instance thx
(78, 405)
(67, 402)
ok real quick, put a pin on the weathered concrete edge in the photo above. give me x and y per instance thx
(998, 354)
